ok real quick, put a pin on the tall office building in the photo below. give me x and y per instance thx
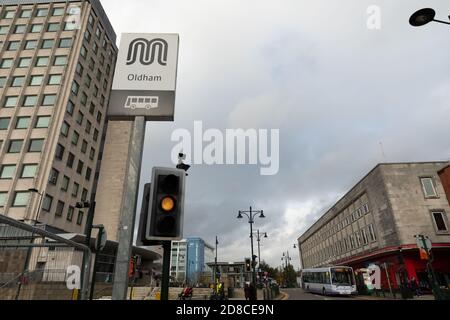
(57, 61)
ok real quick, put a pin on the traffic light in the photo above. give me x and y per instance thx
(248, 265)
(166, 205)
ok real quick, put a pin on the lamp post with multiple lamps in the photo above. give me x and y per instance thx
(286, 263)
(251, 214)
(260, 235)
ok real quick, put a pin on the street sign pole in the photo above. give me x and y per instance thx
(128, 212)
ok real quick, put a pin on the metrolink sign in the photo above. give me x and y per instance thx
(145, 78)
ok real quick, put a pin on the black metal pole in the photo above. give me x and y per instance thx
(215, 269)
(89, 222)
(253, 259)
(167, 246)
(259, 256)
(94, 276)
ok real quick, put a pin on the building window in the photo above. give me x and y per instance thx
(95, 136)
(25, 14)
(79, 69)
(372, 234)
(24, 62)
(60, 209)
(80, 167)
(88, 126)
(92, 154)
(36, 80)
(53, 27)
(4, 29)
(36, 28)
(23, 122)
(30, 101)
(70, 160)
(47, 44)
(17, 81)
(29, 171)
(13, 45)
(65, 183)
(49, 100)
(54, 79)
(2, 82)
(65, 43)
(84, 195)
(15, 146)
(84, 146)
(88, 81)
(428, 187)
(47, 203)
(365, 240)
(80, 117)
(21, 199)
(6, 63)
(75, 189)
(75, 88)
(70, 213)
(4, 123)
(36, 145)
(7, 171)
(83, 52)
(60, 61)
(43, 122)
(87, 36)
(30, 45)
(20, 28)
(11, 102)
(75, 138)
(58, 12)
(3, 196)
(83, 98)
(88, 174)
(440, 220)
(53, 178)
(41, 12)
(70, 107)
(59, 154)
(80, 218)
(42, 62)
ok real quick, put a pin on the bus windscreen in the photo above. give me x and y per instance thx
(342, 277)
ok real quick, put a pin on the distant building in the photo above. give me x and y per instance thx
(232, 273)
(189, 259)
(376, 221)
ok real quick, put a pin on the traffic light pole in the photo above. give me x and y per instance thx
(436, 290)
(167, 247)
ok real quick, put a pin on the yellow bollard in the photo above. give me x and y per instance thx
(158, 296)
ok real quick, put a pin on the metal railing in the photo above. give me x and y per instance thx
(34, 262)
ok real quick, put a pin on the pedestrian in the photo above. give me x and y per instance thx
(415, 287)
(247, 291)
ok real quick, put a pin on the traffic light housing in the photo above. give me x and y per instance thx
(166, 204)
(248, 265)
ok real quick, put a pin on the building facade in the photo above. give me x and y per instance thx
(376, 221)
(189, 260)
(57, 60)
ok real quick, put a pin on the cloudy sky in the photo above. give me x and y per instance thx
(344, 98)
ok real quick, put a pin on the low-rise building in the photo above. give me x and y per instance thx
(376, 221)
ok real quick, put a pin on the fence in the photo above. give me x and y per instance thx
(35, 264)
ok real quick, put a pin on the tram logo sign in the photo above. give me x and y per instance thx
(145, 78)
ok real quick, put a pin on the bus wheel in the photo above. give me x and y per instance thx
(324, 292)
(307, 288)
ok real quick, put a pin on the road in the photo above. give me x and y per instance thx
(300, 294)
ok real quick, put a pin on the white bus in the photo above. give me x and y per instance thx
(142, 102)
(331, 280)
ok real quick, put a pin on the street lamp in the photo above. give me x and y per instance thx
(287, 262)
(251, 214)
(258, 238)
(423, 17)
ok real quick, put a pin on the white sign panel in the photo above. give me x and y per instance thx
(145, 77)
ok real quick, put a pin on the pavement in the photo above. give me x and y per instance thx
(300, 294)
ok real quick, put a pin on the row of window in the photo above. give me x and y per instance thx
(28, 13)
(333, 228)
(21, 199)
(28, 171)
(24, 122)
(48, 100)
(15, 45)
(36, 80)
(59, 155)
(65, 184)
(34, 146)
(354, 241)
(37, 28)
(25, 62)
